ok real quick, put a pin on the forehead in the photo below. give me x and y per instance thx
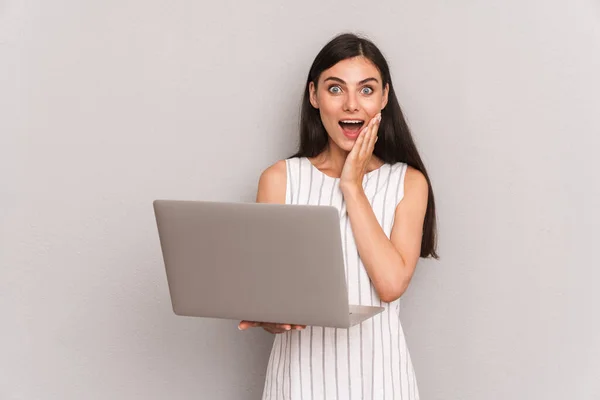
(352, 70)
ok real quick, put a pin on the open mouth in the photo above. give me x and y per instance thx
(352, 126)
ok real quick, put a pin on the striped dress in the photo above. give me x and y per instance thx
(369, 360)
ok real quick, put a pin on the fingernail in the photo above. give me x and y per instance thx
(379, 117)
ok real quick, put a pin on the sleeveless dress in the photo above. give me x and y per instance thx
(369, 360)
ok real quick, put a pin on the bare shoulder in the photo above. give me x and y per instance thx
(416, 192)
(415, 183)
(272, 184)
(275, 174)
(410, 211)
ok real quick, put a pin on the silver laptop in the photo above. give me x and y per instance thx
(254, 261)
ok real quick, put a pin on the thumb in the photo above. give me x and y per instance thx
(243, 325)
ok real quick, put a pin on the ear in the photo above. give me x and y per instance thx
(386, 91)
(312, 90)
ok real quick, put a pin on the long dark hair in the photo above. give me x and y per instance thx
(395, 143)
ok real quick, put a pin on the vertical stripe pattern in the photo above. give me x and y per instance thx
(370, 360)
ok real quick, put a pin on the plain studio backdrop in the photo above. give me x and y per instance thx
(107, 105)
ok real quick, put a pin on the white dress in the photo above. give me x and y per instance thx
(367, 361)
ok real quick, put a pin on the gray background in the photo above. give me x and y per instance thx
(107, 105)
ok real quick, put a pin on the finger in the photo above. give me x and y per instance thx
(374, 136)
(374, 131)
(359, 140)
(358, 144)
(243, 325)
(273, 328)
(365, 130)
(366, 147)
(282, 327)
(285, 327)
(298, 327)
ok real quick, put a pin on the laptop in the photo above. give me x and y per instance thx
(276, 263)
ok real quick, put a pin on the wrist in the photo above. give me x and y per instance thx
(351, 190)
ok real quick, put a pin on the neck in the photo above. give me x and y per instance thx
(333, 158)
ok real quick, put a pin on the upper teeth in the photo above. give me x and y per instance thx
(352, 122)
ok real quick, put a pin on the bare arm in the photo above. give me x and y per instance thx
(390, 263)
(272, 184)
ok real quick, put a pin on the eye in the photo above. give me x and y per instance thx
(335, 89)
(366, 90)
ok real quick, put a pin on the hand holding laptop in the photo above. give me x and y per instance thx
(270, 327)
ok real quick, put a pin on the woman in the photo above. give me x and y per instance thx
(357, 154)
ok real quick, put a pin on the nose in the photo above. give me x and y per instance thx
(350, 102)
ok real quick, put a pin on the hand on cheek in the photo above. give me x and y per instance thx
(360, 155)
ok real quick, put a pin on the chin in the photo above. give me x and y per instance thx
(343, 143)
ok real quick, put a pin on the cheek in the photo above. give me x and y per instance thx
(329, 105)
(329, 112)
(372, 106)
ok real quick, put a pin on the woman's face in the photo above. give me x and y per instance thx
(348, 96)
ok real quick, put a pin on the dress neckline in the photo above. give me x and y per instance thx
(367, 174)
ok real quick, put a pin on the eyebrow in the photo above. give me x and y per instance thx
(333, 78)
